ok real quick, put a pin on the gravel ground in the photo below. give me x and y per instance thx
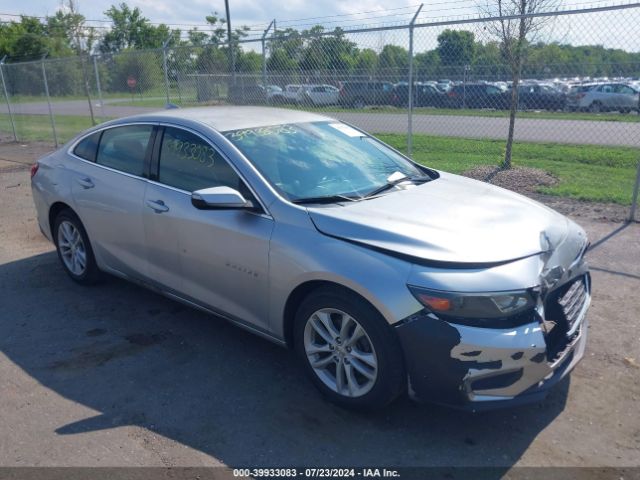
(118, 376)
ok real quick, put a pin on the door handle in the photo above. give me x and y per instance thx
(157, 206)
(85, 182)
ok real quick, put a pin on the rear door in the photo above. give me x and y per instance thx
(217, 258)
(108, 192)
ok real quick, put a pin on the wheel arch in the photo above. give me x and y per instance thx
(54, 211)
(304, 290)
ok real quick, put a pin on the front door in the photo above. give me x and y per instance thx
(220, 258)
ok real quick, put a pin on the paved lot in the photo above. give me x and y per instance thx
(543, 130)
(114, 375)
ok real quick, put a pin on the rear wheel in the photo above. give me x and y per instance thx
(74, 250)
(349, 351)
(595, 107)
(358, 103)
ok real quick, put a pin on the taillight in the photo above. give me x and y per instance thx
(451, 94)
(34, 169)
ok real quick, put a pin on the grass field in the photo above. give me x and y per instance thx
(38, 127)
(590, 172)
(585, 172)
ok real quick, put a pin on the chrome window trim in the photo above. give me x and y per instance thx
(265, 213)
(130, 175)
(70, 150)
(100, 129)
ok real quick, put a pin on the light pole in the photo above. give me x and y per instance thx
(232, 57)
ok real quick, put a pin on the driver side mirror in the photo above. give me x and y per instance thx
(220, 198)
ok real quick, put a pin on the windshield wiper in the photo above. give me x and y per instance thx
(393, 182)
(325, 199)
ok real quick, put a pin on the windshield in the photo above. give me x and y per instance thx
(320, 159)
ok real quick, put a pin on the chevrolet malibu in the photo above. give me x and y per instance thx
(384, 275)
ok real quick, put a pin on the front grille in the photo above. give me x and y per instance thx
(562, 308)
(573, 302)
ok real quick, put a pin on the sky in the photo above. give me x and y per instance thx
(255, 13)
(615, 29)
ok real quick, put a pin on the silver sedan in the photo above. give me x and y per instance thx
(385, 275)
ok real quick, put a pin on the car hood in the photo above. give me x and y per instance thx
(452, 219)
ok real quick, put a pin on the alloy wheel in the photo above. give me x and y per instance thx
(72, 248)
(340, 352)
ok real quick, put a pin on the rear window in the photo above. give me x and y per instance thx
(87, 148)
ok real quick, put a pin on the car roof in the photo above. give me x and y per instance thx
(223, 118)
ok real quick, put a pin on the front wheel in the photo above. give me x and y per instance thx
(358, 103)
(74, 250)
(349, 351)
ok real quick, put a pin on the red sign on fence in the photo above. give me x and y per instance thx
(131, 82)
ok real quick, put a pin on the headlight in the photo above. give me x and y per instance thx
(490, 309)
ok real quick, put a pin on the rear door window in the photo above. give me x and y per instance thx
(87, 148)
(125, 148)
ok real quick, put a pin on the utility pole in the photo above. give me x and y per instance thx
(264, 55)
(232, 57)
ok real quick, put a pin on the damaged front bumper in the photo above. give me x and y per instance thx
(478, 368)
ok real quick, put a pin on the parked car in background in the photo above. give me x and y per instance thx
(444, 85)
(576, 93)
(317, 95)
(608, 97)
(385, 276)
(247, 95)
(361, 94)
(291, 94)
(424, 95)
(273, 91)
(476, 95)
(540, 97)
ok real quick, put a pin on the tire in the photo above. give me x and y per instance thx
(595, 107)
(358, 103)
(379, 345)
(68, 229)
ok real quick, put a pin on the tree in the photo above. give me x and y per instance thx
(393, 61)
(143, 66)
(427, 64)
(366, 62)
(248, 62)
(515, 35)
(280, 61)
(25, 40)
(456, 47)
(130, 29)
(327, 52)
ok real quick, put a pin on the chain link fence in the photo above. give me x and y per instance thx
(443, 92)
